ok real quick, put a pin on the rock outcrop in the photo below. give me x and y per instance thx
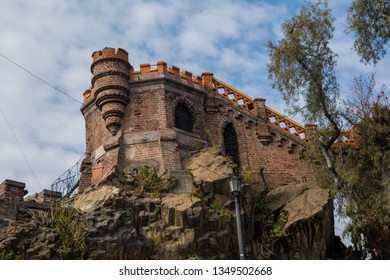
(309, 223)
(114, 221)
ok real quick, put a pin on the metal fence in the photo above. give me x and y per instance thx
(68, 182)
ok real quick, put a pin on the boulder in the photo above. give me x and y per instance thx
(309, 226)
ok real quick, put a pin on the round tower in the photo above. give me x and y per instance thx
(110, 70)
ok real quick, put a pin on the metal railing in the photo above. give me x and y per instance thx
(275, 118)
(68, 182)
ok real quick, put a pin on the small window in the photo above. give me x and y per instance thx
(183, 118)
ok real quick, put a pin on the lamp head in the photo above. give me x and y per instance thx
(235, 184)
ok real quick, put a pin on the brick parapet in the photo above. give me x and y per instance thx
(162, 67)
(110, 53)
(13, 201)
(12, 191)
(48, 197)
(11, 196)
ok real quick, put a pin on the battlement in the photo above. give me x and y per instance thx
(161, 67)
(110, 53)
(208, 81)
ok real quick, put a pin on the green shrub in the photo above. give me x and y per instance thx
(199, 146)
(193, 256)
(4, 255)
(247, 177)
(218, 208)
(149, 181)
(70, 230)
(277, 229)
(197, 192)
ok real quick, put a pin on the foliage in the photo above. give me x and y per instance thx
(363, 166)
(247, 177)
(317, 161)
(277, 230)
(370, 27)
(302, 67)
(155, 237)
(259, 202)
(4, 255)
(197, 192)
(366, 169)
(216, 205)
(360, 106)
(193, 256)
(199, 146)
(70, 230)
(302, 64)
(149, 180)
(269, 224)
(157, 209)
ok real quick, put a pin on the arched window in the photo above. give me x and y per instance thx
(183, 118)
(231, 143)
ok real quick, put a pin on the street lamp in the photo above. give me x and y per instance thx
(235, 188)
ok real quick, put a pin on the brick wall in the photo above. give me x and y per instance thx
(13, 201)
(11, 198)
(280, 156)
(147, 133)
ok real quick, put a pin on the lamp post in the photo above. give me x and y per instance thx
(235, 188)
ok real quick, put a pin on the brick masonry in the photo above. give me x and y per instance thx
(130, 122)
(13, 200)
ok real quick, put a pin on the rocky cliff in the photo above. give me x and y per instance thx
(115, 220)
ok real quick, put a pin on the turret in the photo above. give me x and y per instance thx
(110, 69)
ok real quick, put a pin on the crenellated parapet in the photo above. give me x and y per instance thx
(185, 76)
(110, 53)
(110, 87)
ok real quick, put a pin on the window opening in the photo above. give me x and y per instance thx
(231, 143)
(183, 118)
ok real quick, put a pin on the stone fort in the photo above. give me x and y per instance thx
(159, 114)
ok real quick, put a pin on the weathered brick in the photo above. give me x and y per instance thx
(146, 125)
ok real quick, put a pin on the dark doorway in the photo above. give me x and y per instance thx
(231, 143)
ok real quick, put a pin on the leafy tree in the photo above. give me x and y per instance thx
(366, 167)
(302, 67)
(371, 28)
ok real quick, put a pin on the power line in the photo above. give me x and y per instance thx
(20, 147)
(39, 78)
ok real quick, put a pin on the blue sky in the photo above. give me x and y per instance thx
(55, 40)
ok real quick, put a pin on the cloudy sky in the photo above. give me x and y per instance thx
(54, 40)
